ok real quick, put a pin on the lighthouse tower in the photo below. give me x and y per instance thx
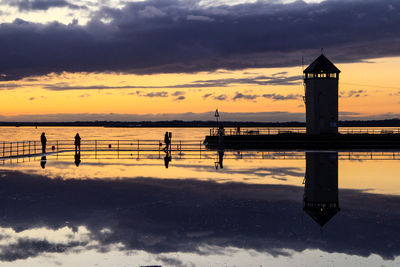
(321, 81)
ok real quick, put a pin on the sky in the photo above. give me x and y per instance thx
(67, 60)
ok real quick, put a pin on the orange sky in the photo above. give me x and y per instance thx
(370, 88)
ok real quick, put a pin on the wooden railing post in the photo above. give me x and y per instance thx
(95, 149)
(118, 149)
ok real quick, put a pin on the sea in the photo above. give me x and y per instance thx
(126, 200)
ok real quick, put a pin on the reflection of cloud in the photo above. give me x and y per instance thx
(161, 216)
(29, 5)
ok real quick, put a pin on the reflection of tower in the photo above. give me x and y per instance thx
(321, 79)
(321, 198)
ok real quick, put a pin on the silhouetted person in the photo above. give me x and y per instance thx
(77, 143)
(43, 140)
(43, 161)
(77, 158)
(238, 130)
(167, 141)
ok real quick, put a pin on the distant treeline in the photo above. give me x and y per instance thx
(179, 123)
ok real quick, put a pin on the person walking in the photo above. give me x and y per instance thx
(43, 140)
(167, 142)
(77, 143)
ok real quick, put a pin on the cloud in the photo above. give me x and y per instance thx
(244, 96)
(155, 36)
(354, 93)
(178, 93)
(156, 94)
(258, 80)
(179, 98)
(220, 97)
(277, 97)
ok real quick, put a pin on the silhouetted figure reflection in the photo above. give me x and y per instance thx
(167, 148)
(43, 161)
(167, 159)
(43, 140)
(221, 147)
(77, 158)
(321, 197)
(77, 143)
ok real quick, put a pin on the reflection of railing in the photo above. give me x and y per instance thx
(131, 147)
(271, 131)
(153, 149)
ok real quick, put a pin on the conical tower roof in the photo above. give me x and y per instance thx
(322, 64)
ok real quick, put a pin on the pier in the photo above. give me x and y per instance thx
(21, 151)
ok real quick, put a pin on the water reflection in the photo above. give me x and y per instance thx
(77, 158)
(321, 197)
(43, 161)
(161, 216)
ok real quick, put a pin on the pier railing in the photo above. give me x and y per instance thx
(99, 147)
(272, 131)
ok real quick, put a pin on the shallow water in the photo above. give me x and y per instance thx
(115, 210)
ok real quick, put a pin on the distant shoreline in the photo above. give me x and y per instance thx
(194, 124)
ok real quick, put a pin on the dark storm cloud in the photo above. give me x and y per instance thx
(28, 5)
(169, 216)
(160, 36)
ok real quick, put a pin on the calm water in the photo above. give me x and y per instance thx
(258, 210)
